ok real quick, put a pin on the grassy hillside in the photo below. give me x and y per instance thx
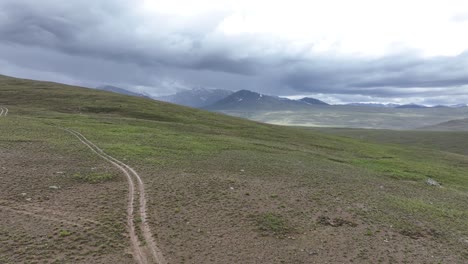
(220, 189)
(448, 141)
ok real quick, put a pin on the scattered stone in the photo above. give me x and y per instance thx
(336, 222)
(414, 234)
(432, 182)
(54, 187)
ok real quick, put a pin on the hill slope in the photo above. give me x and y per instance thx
(196, 97)
(312, 101)
(214, 184)
(110, 88)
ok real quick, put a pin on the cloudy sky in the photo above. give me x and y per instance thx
(336, 50)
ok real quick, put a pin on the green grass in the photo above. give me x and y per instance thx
(93, 177)
(64, 233)
(273, 223)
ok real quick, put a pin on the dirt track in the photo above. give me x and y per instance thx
(143, 251)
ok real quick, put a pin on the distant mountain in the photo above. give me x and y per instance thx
(452, 125)
(440, 106)
(119, 90)
(312, 101)
(459, 105)
(389, 105)
(248, 100)
(198, 97)
(412, 106)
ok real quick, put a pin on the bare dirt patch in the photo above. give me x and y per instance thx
(239, 218)
(46, 216)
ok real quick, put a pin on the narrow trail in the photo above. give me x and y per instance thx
(143, 251)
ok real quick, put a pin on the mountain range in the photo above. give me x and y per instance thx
(248, 100)
(220, 99)
(411, 106)
(374, 105)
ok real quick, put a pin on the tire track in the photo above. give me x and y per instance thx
(1, 111)
(144, 251)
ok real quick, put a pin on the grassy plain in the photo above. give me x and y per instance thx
(220, 188)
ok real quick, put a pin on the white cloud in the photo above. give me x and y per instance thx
(358, 27)
(358, 49)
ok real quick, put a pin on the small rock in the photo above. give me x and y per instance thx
(231, 188)
(54, 187)
(432, 182)
(242, 170)
(59, 172)
(28, 199)
(23, 194)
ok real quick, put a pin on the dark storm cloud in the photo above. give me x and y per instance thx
(379, 77)
(102, 30)
(106, 41)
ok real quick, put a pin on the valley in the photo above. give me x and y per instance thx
(359, 117)
(310, 112)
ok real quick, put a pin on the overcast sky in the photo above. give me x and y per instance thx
(340, 51)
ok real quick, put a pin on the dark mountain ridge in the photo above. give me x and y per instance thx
(248, 100)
